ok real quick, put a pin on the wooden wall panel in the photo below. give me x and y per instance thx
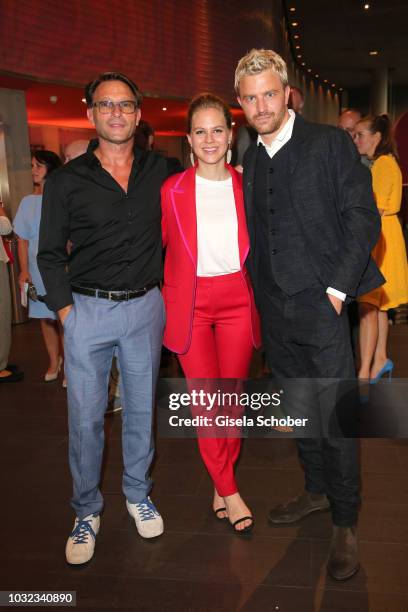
(173, 48)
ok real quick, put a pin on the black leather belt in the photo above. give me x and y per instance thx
(115, 296)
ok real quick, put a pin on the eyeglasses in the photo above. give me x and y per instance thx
(107, 106)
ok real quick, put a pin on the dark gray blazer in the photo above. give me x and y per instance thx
(334, 206)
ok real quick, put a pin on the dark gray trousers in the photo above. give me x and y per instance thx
(305, 338)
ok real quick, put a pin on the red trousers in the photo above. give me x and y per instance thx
(221, 347)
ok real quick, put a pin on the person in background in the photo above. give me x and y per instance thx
(245, 135)
(348, 120)
(212, 324)
(374, 139)
(8, 372)
(27, 226)
(75, 149)
(144, 137)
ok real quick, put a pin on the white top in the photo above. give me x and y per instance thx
(217, 228)
(281, 139)
(5, 228)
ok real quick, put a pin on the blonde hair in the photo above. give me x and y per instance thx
(258, 60)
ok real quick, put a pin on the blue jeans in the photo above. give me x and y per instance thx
(95, 330)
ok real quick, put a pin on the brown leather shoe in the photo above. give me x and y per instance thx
(297, 508)
(343, 559)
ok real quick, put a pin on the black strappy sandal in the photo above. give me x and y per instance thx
(246, 529)
(220, 518)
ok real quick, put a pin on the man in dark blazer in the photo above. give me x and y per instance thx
(312, 223)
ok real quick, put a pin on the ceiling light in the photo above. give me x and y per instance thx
(373, 52)
(303, 63)
(83, 100)
(292, 9)
(325, 81)
(233, 123)
(333, 84)
(299, 56)
(295, 24)
(317, 76)
(309, 70)
(296, 36)
(340, 89)
(366, 6)
(164, 108)
(297, 47)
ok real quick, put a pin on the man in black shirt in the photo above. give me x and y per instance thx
(107, 204)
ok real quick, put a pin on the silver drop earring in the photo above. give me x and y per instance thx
(192, 160)
(229, 154)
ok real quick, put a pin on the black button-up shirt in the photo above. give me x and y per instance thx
(115, 236)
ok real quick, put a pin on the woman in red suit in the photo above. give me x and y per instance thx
(212, 323)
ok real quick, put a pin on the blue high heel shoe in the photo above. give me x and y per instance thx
(387, 368)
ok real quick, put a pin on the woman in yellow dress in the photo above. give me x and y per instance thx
(374, 139)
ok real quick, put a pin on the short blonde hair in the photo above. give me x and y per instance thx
(258, 60)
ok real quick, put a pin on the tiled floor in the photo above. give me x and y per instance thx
(198, 565)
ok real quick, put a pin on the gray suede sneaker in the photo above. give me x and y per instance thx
(81, 542)
(297, 508)
(148, 521)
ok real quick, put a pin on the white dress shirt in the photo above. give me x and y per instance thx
(282, 137)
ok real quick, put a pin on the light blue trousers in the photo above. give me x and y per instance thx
(94, 331)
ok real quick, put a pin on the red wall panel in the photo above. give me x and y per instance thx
(169, 48)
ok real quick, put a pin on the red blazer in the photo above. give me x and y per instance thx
(179, 228)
